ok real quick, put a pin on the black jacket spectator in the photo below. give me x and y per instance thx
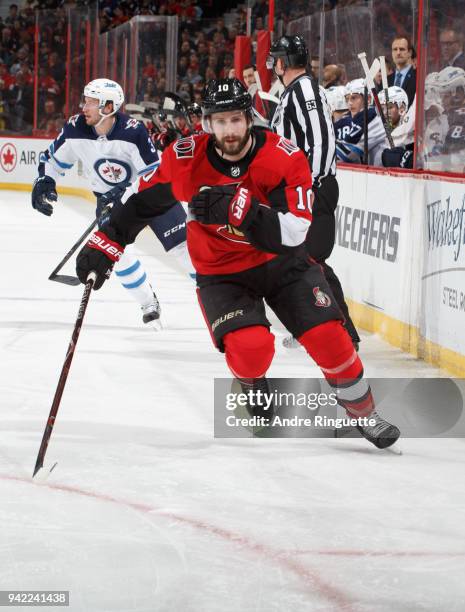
(409, 84)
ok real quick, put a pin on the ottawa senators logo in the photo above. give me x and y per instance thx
(231, 233)
(322, 299)
(184, 147)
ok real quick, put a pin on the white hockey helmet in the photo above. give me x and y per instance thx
(397, 95)
(336, 97)
(357, 86)
(105, 90)
(431, 80)
(450, 79)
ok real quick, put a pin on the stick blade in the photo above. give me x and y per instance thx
(73, 281)
(42, 472)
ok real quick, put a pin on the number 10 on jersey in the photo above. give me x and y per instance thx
(305, 202)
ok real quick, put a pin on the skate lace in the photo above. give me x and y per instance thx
(380, 425)
(152, 307)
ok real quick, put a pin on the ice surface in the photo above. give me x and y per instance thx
(146, 511)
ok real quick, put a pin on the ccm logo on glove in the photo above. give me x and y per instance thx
(101, 242)
(240, 206)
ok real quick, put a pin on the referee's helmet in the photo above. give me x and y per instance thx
(292, 49)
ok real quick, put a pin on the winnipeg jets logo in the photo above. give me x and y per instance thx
(131, 123)
(322, 299)
(112, 171)
(235, 171)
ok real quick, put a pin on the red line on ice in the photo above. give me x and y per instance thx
(314, 583)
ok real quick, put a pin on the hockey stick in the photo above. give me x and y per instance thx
(385, 85)
(365, 125)
(64, 278)
(371, 85)
(64, 375)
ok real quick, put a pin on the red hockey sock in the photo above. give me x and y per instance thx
(249, 351)
(330, 346)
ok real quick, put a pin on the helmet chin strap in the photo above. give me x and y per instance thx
(103, 116)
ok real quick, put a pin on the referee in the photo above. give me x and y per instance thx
(303, 116)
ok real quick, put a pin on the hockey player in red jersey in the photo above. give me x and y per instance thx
(250, 199)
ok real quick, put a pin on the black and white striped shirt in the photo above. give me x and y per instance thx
(304, 117)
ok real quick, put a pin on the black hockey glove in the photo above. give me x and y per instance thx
(98, 255)
(398, 157)
(43, 193)
(224, 205)
(106, 202)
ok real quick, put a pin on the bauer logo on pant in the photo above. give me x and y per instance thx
(226, 317)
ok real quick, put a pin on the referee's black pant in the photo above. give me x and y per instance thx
(320, 242)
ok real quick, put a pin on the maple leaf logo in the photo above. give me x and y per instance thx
(112, 172)
(8, 157)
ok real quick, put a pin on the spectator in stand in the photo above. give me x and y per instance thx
(451, 43)
(12, 15)
(332, 76)
(186, 37)
(48, 87)
(315, 67)
(7, 80)
(10, 44)
(49, 113)
(210, 74)
(231, 40)
(150, 90)
(404, 75)
(119, 16)
(212, 65)
(248, 75)
(193, 76)
(20, 98)
(202, 53)
(149, 69)
(185, 49)
(183, 65)
(218, 42)
(259, 12)
(219, 28)
(4, 116)
(56, 67)
(21, 56)
(227, 65)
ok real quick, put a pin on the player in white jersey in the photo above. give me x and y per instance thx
(114, 150)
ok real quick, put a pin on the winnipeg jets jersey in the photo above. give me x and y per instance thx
(351, 146)
(118, 157)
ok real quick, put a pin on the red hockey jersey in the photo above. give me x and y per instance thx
(274, 170)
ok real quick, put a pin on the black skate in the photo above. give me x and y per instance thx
(382, 434)
(256, 389)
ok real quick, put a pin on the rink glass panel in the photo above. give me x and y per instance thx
(339, 35)
(441, 101)
(73, 35)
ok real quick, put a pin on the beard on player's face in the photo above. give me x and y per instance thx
(231, 131)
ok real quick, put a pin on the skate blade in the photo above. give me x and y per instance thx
(395, 449)
(155, 325)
